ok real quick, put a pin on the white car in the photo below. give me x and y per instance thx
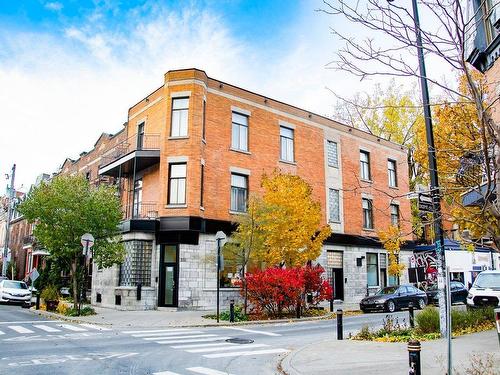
(15, 291)
(486, 290)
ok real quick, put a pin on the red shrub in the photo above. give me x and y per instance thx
(314, 284)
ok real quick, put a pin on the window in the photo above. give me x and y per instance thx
(201, 184)
(177, 184)
(391, 171)
(136, 268)
(88, 175)
(180, 109)
(239, 192)
(140, 136)
(489, 19)
(203, 120)
(367, 214)
(394, 215)
(239, 139)
(137, 198)
(333, 205)
(364, 163)
(286, 144)
(333, 157)
(372, 269)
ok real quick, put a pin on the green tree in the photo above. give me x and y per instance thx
(67, 207)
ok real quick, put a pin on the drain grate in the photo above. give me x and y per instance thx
(236, 340)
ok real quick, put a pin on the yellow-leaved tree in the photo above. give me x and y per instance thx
(392, 240)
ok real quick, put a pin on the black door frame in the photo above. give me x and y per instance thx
(337, 275)
(162, 275)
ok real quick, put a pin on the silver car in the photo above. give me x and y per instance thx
(15, 291)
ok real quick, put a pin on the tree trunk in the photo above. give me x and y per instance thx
(245, 298)
(74, 277)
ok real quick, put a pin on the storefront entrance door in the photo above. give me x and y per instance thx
(168, 291)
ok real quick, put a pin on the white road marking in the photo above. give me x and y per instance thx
(206, 371)
(98, 328)
(72, 328)
(202, 345)
(20, 329)
(45, 328)
(178, 337)
(166, 373)
(32, 321)
(164, 334)
(224, 348)
(159, 330)
(191, 340)
(245, 353)
(2, 333)
(253, 331)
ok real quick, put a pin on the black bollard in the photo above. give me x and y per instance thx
(139, 291)
(297, 310)
(414, 357)
(331, 304)
(340, 328)
(231, 311)
(37, 304)
(412, 316)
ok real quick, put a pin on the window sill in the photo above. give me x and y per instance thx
(204, 140)
(334, 222)
(202, 208)
(394, 187)
(333, 166)
(240, 151)
(178, 137)
(176, 206)
(222, 289)
(287, 162)
(369, 230)
(237, 212)
(367, 181)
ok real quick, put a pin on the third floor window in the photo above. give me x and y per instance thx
(239, 139)
(367, 213)
(180, 110)
(364, 165)
(394, 215)
(333, 157)
(286, 144)
(177, 184)
(239, 192)
(391, 171)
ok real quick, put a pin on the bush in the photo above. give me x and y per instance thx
(315, 285)
(239, 316)
(50, 293)
(84, 311)
(428, 320)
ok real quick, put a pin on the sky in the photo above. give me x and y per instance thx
(69, 70)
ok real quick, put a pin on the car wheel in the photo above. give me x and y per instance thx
(421, 303)
(390, 306)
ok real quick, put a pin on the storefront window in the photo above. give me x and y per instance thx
(372, 269)
(136, 268)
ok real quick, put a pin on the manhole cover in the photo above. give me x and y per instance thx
(237, 340)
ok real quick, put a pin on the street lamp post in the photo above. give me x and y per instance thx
(12, 195)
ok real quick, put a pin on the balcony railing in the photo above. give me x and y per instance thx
(133, 143)
(143, 210)
(28, 240)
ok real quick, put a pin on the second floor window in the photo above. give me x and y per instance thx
(286, 144)
(177, 184)
(391, 171)
(394, 215)
(239, 139)
(333, 157)
(239, 192)
(333, 205)
(367, 213)
(364, 165)
(140, 136)
(180, 110)
(137, 198)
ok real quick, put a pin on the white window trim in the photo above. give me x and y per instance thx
(286, 124)
(241, 111)
(238, 170)
(180, 94)
(177, 159)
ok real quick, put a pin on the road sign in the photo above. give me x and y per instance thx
(221, 237)
(425, 202)
(34, 274)
(87, 240)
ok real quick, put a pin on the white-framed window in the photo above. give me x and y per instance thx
(239, 192)
(137, 198)
(372, 269)
(180, 111)
(177, 183)
(333, 205)
(392, 173)
(367, 213)
(332, 153)
(286, 144)
(364, 165)
(239, 138)
(394, 214)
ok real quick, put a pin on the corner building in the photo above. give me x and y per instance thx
(196, 148)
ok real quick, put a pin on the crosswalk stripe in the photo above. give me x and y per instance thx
(2, 333)
(203, 345)
(191, 340)
(98, 328)
(158, 330)
(72, 328)
(20, 329)
(245, 353)
(224, 348)
(165, 373)
(45, 328)
(207, 371)
(177, 337)
(164, 334)
(253, 331)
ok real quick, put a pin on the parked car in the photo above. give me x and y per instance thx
(458, 293)
(15, 291)
(486, 290)
(395, 297)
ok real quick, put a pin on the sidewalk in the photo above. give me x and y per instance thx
(365, 357)
(163, 317)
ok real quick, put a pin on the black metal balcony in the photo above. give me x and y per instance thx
(143, 210)
(138, 152)
(28, 240)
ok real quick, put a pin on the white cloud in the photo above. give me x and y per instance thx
(55, 6)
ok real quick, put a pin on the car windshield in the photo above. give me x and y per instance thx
(488, 280)
(387, 290)
(14, 285)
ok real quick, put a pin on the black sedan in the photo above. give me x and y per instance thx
(458, 293)
(392, 298)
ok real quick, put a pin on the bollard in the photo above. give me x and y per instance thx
(497, 319)
(412, 316)
(231, 311)
(139, 291)
(37, 304)
(414, 357)
(331, 304)
(297, 310)
(340, 328)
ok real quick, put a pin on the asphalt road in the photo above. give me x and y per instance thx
(31, 345)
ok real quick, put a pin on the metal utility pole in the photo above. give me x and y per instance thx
(12, 195)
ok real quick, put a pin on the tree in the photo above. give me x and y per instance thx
(392, 239)
(66, 208)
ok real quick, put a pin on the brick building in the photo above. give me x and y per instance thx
(191, 153)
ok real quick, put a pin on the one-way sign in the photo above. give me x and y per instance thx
(425, 202)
